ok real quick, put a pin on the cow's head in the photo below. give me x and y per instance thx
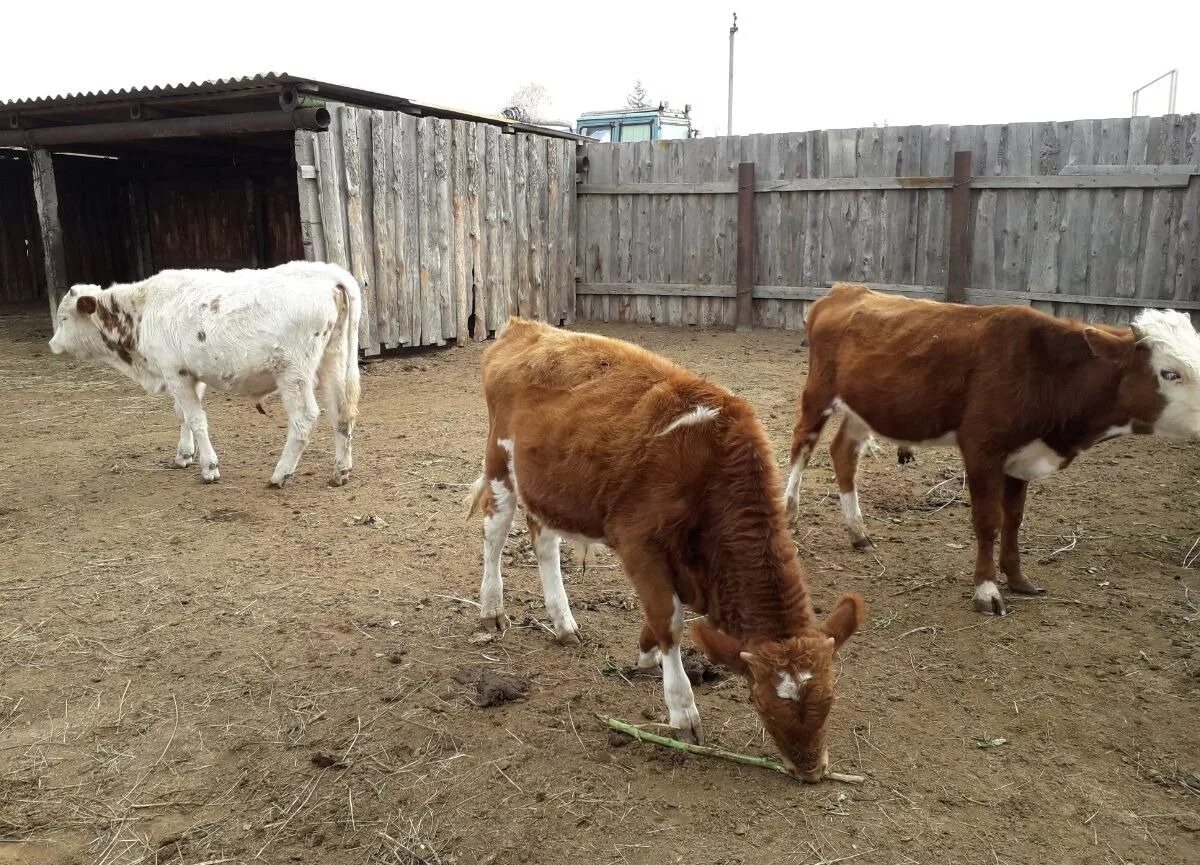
(1160, 358)
(91, 327)
(1174, 360)
(75, 330)
(791, 682)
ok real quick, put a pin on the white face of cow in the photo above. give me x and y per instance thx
(74, 330)
(1175, 360)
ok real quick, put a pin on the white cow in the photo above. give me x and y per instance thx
(288, 329)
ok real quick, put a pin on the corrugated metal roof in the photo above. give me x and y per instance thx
(217, 85)
(266, 83)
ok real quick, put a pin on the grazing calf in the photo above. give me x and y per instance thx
(251, 332)
(1019, 392)
(603, 442)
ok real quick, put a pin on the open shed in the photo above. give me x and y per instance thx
(410, 197)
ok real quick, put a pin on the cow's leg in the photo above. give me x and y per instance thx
(985, 480)
(546, 546)
(651, 576)
(499, 507)
(342, 406)
(188, 396)
(185, 451)
(300, 402)
(649, 655)
(816, 405)
(851, 437)
(1010, 550)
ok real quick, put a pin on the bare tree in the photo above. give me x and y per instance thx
(527, 104)
(638, 97)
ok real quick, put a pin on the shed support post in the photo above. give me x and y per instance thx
(958, 267)
(45, 193)
(745, 246)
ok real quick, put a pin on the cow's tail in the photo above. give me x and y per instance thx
(353, 317)
(476, 495)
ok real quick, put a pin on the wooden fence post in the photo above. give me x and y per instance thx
(745, 246)
(958, 266)
(45, 194)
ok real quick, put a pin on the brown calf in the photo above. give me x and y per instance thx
(1020, 393)
(601, 441)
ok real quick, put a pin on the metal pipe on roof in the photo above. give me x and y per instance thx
(207, 126)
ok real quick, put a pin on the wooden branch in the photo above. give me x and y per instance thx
(706, 751)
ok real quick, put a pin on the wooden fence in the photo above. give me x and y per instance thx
(1088, 218)
(449, 226)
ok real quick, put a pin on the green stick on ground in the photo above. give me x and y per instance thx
(704, 750)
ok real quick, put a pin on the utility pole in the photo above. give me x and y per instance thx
(729, 113)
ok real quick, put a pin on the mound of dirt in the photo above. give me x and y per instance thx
(491, 688)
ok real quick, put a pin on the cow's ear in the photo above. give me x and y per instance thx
(86, 305)
(718, 646)
(1108, 346)
(846, 618)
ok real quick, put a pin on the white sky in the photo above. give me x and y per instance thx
(799, 66)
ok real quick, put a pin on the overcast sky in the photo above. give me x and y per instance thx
(799, 66)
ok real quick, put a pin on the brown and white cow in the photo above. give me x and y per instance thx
(603, 442)
(1020, 393)
(282, 330)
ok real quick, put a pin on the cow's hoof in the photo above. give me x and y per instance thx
(183, 461)
(210, 474)
(988, 600)
(340, 478)
(687, 726)
(904, 456)
(863, 544)
(569, 638)
(1024, 587)
(791, 507)
(493, 623)
(279, 483)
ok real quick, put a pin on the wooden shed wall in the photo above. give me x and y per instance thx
(22, 275)
(125, 219)
(449, 226)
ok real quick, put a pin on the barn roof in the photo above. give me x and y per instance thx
(226, 95)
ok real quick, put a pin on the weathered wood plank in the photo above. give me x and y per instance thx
(620, 266)
(535, 186)
(54, 256)
(431, 272)
(331, 186)
(506, 303)
(936, 159)
(1187, 268)
(308, 188)
(383, 171)
(1104, 241)
(442, 217)
(521, 279)
(553, 234)
(362, 263)
(476, 194)
(491, 313)
(569, 221)
(1073, 255)
(1131, 168)
(1129, 252)
(461, 140)
(407, 229)
(656, 289)
(1015, 244)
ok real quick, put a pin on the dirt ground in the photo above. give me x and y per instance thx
(229, 673)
